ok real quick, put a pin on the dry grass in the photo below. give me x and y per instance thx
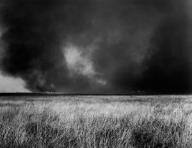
(91, 123)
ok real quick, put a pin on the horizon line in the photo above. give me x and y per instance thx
(87, 94)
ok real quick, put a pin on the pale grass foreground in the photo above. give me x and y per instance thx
(95, 124)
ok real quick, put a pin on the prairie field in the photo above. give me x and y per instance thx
(96, 121)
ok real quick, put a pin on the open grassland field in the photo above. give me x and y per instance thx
(96, 122)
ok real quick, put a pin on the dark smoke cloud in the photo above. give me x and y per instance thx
(117, 45)
(33, 38)
(151, 53)
(168, 69)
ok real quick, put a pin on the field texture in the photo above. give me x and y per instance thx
(96, 122)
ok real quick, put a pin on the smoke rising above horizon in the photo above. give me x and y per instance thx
(10, 84)
(97, 46)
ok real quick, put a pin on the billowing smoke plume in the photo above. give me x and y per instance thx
(35, 30)
(97, 45)
(10, 84)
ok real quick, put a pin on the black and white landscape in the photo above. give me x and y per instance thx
(95, 73)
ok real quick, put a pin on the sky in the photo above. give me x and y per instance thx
(95, 46)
